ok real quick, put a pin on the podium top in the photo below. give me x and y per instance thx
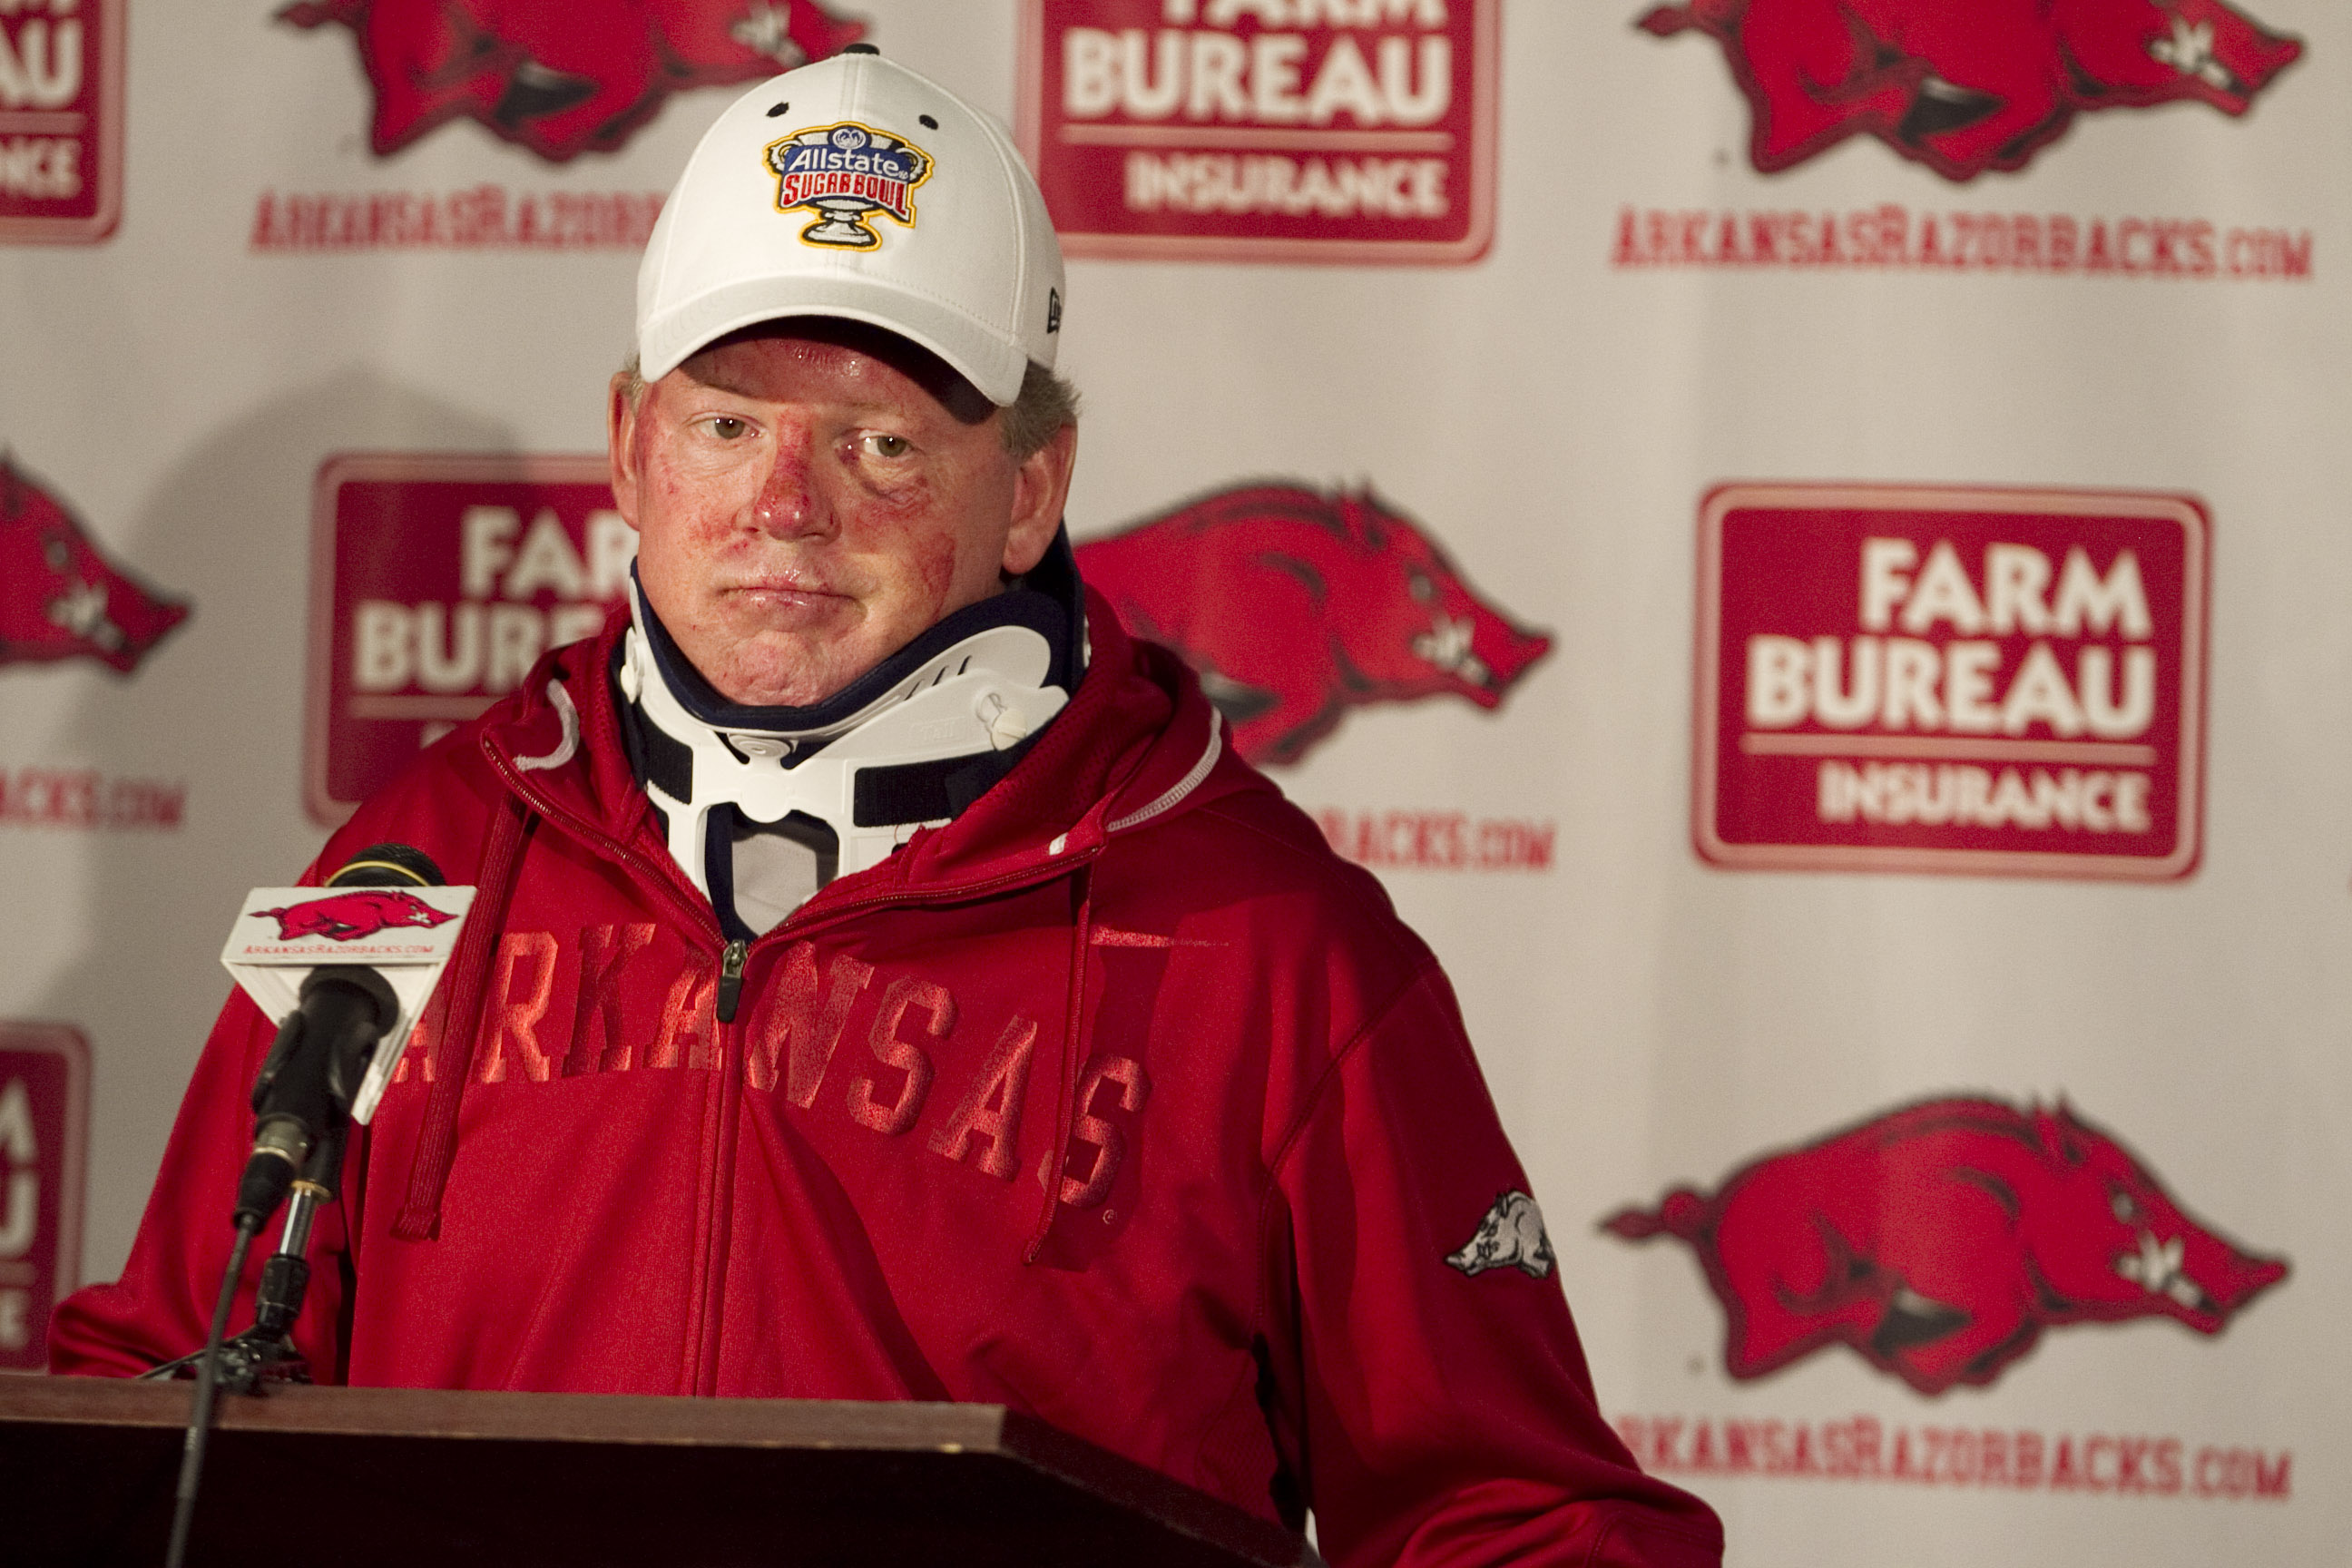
(399, 1475)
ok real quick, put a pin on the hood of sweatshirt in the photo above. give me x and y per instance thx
(1137, 740)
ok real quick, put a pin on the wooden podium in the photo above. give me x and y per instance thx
(435, 1479)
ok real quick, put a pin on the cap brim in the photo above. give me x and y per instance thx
(992, 365)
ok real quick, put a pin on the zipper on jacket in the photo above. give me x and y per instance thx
(717, 1215)
(730, 978)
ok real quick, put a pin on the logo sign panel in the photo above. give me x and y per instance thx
(406, 934)
(436, 580)
(44, 1137)
(61, 121)
(1348, 130)
(1942, 679)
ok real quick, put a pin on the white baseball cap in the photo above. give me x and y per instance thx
(854, 187)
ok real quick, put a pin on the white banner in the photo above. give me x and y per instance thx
(1688, 492)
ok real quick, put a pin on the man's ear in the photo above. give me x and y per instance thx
(1040, 487)
(621, 421)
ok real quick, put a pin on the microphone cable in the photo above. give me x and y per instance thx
(200, 1421)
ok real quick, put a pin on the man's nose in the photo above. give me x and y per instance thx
(790, 502)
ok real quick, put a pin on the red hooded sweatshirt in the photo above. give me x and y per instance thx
(1120, 1099)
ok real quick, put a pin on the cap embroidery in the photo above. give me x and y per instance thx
(846, 173)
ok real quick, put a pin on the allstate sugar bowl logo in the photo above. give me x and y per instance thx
(846, 173)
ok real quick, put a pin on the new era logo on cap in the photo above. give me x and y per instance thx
(830, 150)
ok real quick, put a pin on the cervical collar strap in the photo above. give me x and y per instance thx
(912, 742)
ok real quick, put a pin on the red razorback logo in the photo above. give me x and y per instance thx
(563, 77)
(1966, 88)
(346, 917)
(1295, 605)
(59, 598)
(1939, 1240)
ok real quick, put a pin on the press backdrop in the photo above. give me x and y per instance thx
(1833, 567)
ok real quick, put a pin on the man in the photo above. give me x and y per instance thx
(884, 983)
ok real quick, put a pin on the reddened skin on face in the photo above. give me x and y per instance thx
(811, 497)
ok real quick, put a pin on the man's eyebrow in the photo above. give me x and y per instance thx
(716, 380)
(721, 383)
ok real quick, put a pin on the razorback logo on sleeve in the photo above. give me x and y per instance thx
(1511, 1236)
(59, 598)
(1934, 678)
(1939, 1240)
(1967, 87)
(563, 79)
(1296, 604)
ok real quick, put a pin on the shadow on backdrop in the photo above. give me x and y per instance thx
(219, 706)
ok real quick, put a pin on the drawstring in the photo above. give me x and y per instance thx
(453, 1048)
(1081, 889)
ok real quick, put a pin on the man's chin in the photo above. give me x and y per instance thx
(790, 674)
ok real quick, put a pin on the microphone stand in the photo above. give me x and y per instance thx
(265, 1352)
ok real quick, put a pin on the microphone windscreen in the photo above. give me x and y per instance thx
(389, 866)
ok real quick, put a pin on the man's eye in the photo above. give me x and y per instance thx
(889, 445)
(727, 427)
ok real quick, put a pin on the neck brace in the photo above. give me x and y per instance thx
(909, 743)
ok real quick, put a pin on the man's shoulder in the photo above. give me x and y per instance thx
(1248, 850)
(438, 803)
(449, 791)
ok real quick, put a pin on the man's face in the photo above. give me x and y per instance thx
(810, 497)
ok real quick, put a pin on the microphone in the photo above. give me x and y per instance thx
(320, 1057)
(325, 1070)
